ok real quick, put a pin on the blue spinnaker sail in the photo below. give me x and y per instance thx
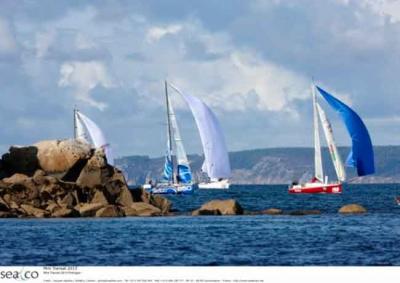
(184, 174)
(168, 169)
(362, 153)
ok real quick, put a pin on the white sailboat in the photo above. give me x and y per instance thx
(320, 184)
(216, 160)
(87, 131)
(177, 174)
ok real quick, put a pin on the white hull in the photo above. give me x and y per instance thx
(217, 185)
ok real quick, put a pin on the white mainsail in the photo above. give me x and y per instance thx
(216, 163)
(337, 161)
(96, 135)
(180, 152)
(319, 173)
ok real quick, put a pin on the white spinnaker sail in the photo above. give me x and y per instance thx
(96, 136)
(319, 173)
(216, 163)
(337, 161)
(80, 132)
(180, 152)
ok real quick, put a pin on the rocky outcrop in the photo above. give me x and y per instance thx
(220, 207)
(69, 179)
(352, 209)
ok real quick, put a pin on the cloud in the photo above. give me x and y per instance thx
(251, 61)
(83, 77)
(385, 8)
(156, 33)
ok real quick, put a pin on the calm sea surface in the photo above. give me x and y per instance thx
(326, 239)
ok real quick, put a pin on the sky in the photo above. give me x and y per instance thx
(251, 61)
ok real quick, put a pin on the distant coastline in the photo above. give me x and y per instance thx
(270, 166)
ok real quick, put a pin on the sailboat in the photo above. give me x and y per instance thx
(89, 132)
(177, 174)
(216, 160)
(361, 155)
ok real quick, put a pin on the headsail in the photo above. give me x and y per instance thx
(168, 169)
(80, 132)
(337, 161)
(362, 154)
(216, 163)
(319, 172)
(184, 174)
(96, 135)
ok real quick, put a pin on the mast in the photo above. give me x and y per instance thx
(75, 127)
(169, 132)
(335, 156)
(319, 173)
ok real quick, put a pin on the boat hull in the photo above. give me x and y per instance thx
(316, 188)
(172, 189)
(215, 185)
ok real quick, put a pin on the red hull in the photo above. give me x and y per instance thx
(322, 189)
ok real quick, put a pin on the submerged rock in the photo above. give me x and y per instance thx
(272, 211)
(305, 212)
(220, 207)
(352, 209)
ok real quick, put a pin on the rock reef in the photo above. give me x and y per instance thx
(68, 178)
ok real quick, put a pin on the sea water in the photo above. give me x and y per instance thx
(325, 239)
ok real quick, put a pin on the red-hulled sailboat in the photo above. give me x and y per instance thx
(319, 183)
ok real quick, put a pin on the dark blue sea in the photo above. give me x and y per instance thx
(326, 239)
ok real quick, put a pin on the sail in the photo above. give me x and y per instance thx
(184, 174)
(362, 154)
(80, 132)
(216, 163)
(97, 136)
(168, 169)
(319, 173)
(337, 161)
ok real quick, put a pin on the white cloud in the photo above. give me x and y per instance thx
(158, 32)
(390, 8)
(236, 79)
(83, 77)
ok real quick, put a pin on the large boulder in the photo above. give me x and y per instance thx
(33, 211)
(15, 178)
(99, 198)
(20, 160)
(58, 156)
(91, 174)
(89, 209)
(352, 209)
(64, 212)
(141, 209)
(110, 211)
(162, 203)
(224, 207)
